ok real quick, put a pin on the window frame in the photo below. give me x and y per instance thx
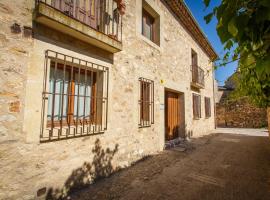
(150, 14)
(146, 102)
(146, 16)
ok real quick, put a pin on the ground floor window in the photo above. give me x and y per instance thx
(207, 105)
(146, 102)
(196, 106)
(74, 97)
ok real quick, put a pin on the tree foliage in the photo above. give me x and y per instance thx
(245, 25)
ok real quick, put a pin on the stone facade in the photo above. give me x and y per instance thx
(30, 169)
(240, 114)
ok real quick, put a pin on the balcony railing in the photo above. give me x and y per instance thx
(197, 76)
(104, 16)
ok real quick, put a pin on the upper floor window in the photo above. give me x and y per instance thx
(196, 99)
(74, 98)
(146, 102)
(194, 58)
(207, 105)
(150, 24)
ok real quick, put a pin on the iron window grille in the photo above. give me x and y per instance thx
(196, 106)
(146, 102)
(74, 97)
(207, 105)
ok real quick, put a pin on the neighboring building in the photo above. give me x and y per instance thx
(222, 93)
(92, 86)
(237, 112)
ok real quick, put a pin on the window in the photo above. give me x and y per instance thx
(150, 23)
(196, 106)
(148, 26)
(146, 102)
(74, 97)
(194, 58)
(207, 107)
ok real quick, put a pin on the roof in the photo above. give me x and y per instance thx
(185, 16)
(224, 88)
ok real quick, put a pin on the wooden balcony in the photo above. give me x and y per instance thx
(97, 22)
(197, 77)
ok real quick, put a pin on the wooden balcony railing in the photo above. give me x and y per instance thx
(197, 76)
(104, 16)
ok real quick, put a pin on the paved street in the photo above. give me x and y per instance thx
(233, 165)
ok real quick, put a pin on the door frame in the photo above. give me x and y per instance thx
(181, 110)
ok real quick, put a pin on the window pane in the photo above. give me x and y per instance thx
(82, 99)
(147, 25)
(58, 89)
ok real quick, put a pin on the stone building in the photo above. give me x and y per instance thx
(91, 86)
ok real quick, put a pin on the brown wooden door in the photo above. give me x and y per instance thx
(172, 115)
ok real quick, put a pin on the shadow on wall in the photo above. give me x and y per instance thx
(88, 173)
(188, 133)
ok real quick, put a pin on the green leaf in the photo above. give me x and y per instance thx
(232, 27)
(228, 45)
(223, 34)
(263, 66)
(208, 17)
(206, 2)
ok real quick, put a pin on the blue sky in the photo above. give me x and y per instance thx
(197, 9)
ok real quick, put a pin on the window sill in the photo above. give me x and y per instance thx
(149, 42)
(196, 118)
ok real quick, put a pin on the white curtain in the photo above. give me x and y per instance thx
(82, 99)
(61, 87)
(82, 95)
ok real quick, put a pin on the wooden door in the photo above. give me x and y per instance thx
(172, 115)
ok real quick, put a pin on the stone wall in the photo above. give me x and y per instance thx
(240, 114)
(30, 169)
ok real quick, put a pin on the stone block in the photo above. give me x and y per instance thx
(14, 106)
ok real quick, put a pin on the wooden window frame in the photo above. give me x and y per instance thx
(147, 16)
(196, 101)
(146, 102)
(207, 104)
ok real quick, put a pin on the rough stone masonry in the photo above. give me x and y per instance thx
(30, 169)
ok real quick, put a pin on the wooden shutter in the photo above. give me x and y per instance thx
(207, 107)
(145, 99)
(196, 106)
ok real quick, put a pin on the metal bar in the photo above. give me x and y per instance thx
(107, 96)
(112, 21)
(78, 97)
(96, 97)
(71, 118)
(153, 103)
(53, 103)
(85, 85)
(43, 94)
(91, 98)
(62, 96)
